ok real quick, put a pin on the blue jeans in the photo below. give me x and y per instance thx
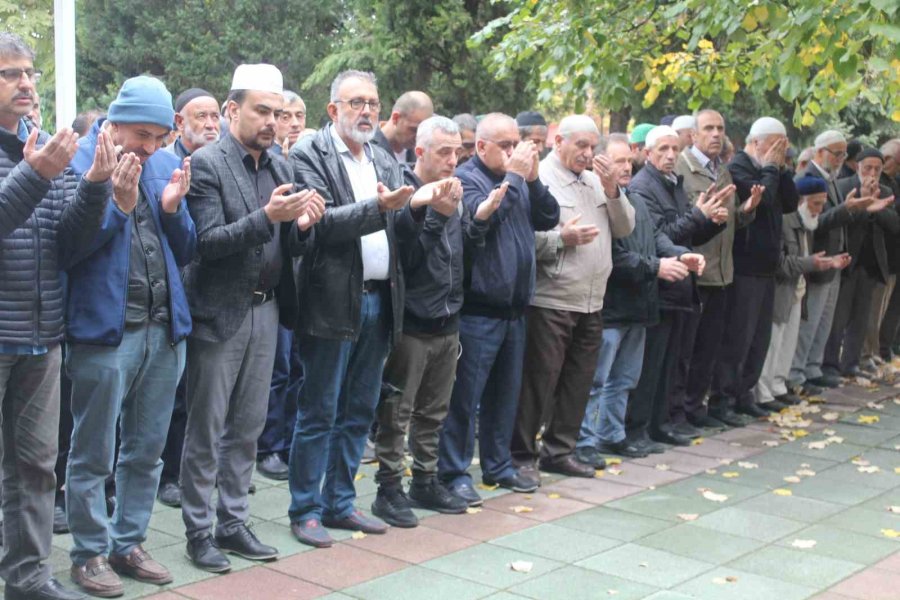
(284, 393)
(134, 382)
(489, 372)
(336, 408)
(618, 371)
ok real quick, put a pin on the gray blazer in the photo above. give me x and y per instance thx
(231, 232)
(793, 265)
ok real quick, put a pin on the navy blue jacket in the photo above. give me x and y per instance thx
(98, 279)
(500, 274)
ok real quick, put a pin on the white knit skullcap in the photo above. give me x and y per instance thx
(684, 122)
(827, 138)
(657, 132)
(766, 126)
(259, 78)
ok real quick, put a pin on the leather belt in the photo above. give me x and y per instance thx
(373, 285)
(262, 297)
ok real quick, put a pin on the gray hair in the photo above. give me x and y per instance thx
(410, 102)
(607, 140)
(292, 98)
(806, 154)
(13, 45)
(705, 111)
(890, 147)
(350, 74)
(576, 124)
(466, 122)
(436, 123)
(490, 122)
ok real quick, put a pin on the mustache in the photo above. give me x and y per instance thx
(269, 130)
(27, 95)
(364, 121)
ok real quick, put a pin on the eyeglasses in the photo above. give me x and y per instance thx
(14, 75)
(841, 154)
(505, 145)
(358, 103)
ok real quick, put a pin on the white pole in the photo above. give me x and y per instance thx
(64, 45)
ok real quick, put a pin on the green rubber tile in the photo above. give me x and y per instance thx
(662, 504)
(887, 459)
(168, 521)
(573, 583)
(611, 523)
(555, 542)
(269, 503)
(796, 566)
(836, 452)
(668, 595)
(489, 565)
(883, 501)
(797, 508)
(861, 434)
(847, 545)
(410, 583)
(700, 543)
(745, 586)
(646, 565)
(788, 462)
(689, 488)
(885, 421)
(504, 596)
(749, 524)
(865, 521)
(849, 474)
(891, 444)
(828, 489)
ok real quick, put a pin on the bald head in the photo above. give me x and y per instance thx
(409, 110)
(411, 102)
(495, 138)
(493, 122)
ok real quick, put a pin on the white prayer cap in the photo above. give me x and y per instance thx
(577, 124)
(766, 126)
(827, 138)
(260, 78)
(684, 122)
(660, 131)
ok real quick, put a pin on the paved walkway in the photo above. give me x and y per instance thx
(729, 518)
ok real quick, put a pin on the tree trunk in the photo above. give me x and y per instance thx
(618, 120)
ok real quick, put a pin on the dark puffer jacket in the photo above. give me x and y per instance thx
(43, 226)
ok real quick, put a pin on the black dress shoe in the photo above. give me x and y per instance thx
(244, 542)
(751, 410)
(392, 506)
(169, 494)
(60, 523)
(687, 430)
(623, 448)
(851, 372)
(272, 466)
(590, 456)
(668, 437)
(789, 399)
(808, 389)
(567, 465)
(206, 556)
(50, 590)
(705, 422)
(826, 381)
(729, 417)
(644, 444)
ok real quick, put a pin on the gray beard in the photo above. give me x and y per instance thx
(810, 223)
(361, 137)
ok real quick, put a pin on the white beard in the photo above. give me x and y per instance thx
(810, 223)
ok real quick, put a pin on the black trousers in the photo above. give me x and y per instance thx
(704, 333)
(648, 403)
(744, 346)
(851, 320)
(887, 335)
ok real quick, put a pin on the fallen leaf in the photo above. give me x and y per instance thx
(831, 416)
(730, 474)
(553, 496)
(770, 443)
(860, 461)
(805, 472)
(735, 444)
(522, 509)
(782, 492)
(358, 535)
(803, 544)
(527, 496)
(711, 471)
(473, 510)
(869, 469)
(890, 533)
(894, 509)
(731, 579)
(875, 405)
(815, 399)
(662, 467)
(598, 473)
(643, 564)
(696, 441)
(792, 479)
(408, 472)
(801, 433)
(724, 580)
(820, 445)
(835, 439)
(358, 477)
(614, 461)
(614, 470)
(712, 496)
(867, 419)
(612, 592)
(521, 566)
(725, 461)
(748, 465)
(828, 432)
(691, 516)
(897, 470)
(487, 488)
(863, 382)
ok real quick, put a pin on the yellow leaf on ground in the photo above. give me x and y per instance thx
(712, 496)
(782, 492)
(890, 533)
(553, 496)
(792, 479)
(828, 432)
(522, 509)
(799, 433)
(867, 419)
(730, 474)
(897, 470)
(806, 473)
(815, 399)
(803, 544)
(820, 445)
(831, 416)
(473, 510)
(408, 472)
(614, 470)
(696, 441)
(835, 439)
(358, 535)
(487, 488)
(711, 471)
(662, 467)
(614, 461)
(598, 473)
(860, 461)
(358, 477)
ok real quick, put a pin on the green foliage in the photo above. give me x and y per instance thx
(818, 56)
(33, 20)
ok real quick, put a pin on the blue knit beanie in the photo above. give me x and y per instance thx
(809, 185)
(143, 100)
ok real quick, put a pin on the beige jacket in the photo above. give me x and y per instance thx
(574, 278)
(719, 269)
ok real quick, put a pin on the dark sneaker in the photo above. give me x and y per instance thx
(465, 491)
(244, 542)
(311, 533)
(392, 506)
(590, 456)
(432, 494)
(567, 465)
(357, 521)
(826, 381)
(687, 430)
(141, 566)
(50, 590)
(647, 446)
(97, 578)
(530, 473)
(272, 467)
(751, 410)
(206, 556)
(169, 494)
(729, 417)
(668, 437)
(706, 422)
(623, 448)
(60, 522)
(514, 482)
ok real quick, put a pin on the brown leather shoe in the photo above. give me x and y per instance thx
(141, 566)
(97, 579)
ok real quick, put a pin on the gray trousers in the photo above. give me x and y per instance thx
(821, 300)
(227, 400)
(29, 389)
(422, 371)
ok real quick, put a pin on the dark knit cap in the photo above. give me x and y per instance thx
(808, 185)
(869, 153)
(530, 118)
(190, 94)
(853, 149)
